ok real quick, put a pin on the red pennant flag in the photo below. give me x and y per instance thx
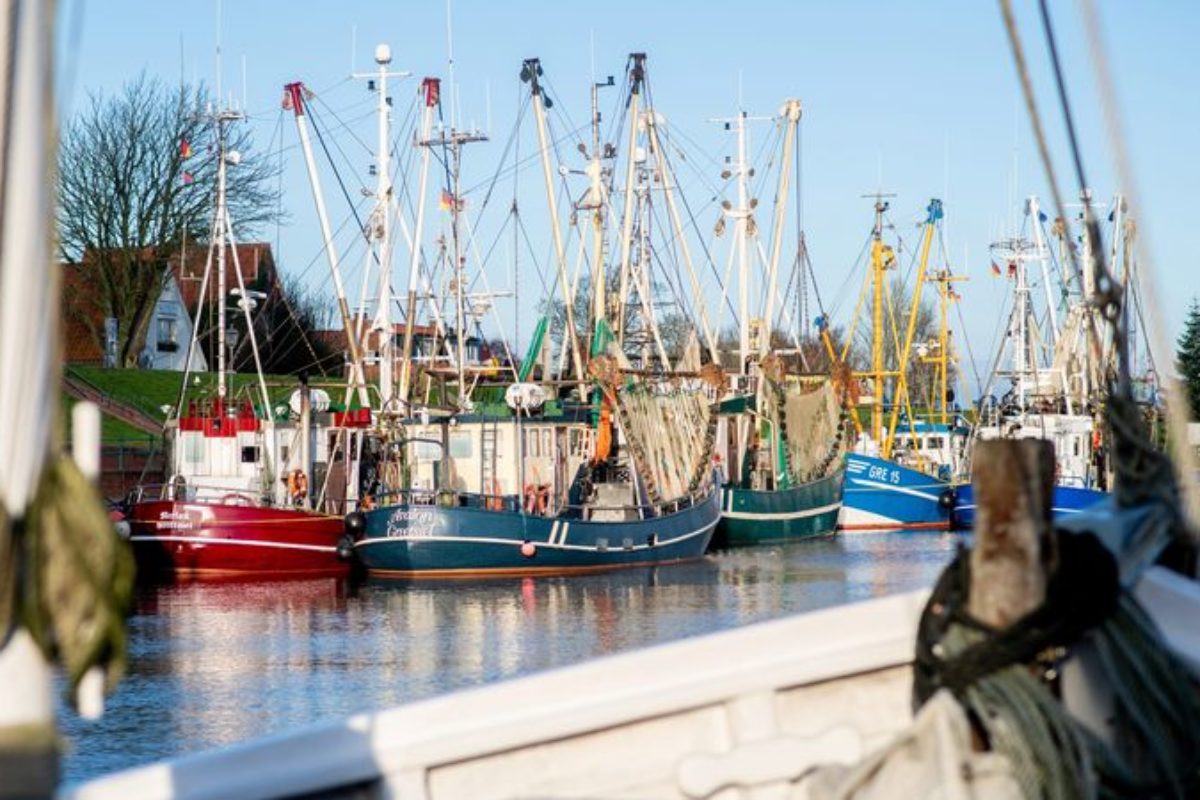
(185, 149)
(995, 268)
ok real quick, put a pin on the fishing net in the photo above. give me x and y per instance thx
(668, 423)
(811, 429)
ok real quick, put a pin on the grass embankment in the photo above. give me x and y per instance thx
(152, 391)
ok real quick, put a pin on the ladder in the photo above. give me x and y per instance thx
(487, 459)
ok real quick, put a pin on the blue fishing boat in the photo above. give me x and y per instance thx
(1066, 502)
(598, 466)
(459, 535)
(901, 472)
(882, 494)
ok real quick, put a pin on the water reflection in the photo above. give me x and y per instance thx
(214, 664)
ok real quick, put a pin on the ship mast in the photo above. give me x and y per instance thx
(379, 226)
(431, 97)
(531, 71)
(222, 120)
(882, 259)
(295, 94)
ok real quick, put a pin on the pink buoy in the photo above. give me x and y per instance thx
(528, 549)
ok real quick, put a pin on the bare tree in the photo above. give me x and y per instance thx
(137, 171)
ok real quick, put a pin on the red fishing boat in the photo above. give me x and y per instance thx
(238, 502)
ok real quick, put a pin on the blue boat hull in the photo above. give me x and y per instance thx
(448, 541)
(881, 494)
(1067, 500)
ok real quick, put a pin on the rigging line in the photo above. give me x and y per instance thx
(513, 136)
(514, 214)
(561, 112)
(700, 238)
(713, 161)
(966, 339)
(341, 184)
(1039, 132)
(346, 125)
(677, 293)
(533, 255)
(1106, 288)
(1176, 412)
(313, 114)
(279, 193)
(519, 165)
(851, 278)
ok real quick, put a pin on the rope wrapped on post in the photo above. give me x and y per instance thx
(77, 575)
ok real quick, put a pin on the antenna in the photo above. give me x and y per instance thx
(218, 51)
(450, 67)
(245, 102)
(353, 45)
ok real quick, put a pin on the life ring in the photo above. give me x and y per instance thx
(297, 485)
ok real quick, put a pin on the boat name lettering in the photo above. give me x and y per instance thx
(884, 475)
(411, 522)
(174, 521)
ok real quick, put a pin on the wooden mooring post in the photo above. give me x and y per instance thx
(1015, 550)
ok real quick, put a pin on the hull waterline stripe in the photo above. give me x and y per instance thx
(516, 542)
(808, 512)
(206, 540)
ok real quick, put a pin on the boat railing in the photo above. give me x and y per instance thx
(516, 503)
(178, 490)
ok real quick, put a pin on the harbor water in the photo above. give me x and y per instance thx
(214, 664)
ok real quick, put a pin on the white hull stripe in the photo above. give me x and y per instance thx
(893, 488)
(612, 546)
(1053, 509)
(808, 512)
(208, 541)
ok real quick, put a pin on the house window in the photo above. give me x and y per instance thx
(168, 334)
(249, 454)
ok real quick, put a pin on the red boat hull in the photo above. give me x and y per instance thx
(177, 540)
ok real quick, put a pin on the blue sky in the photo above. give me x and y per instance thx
(919, 98)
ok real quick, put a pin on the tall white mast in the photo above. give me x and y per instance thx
(790, 113)
(431, 96)
(743, 230)
(379, 232)
(224, 157)
(295, 95)
(531, 71)
(1039, 243)
(741, 233)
